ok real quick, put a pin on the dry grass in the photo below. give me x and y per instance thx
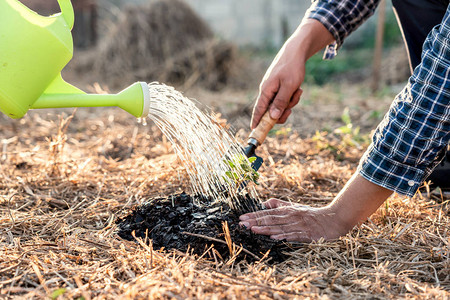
(60, 197)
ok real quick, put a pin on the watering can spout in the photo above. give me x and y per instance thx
(135, 99)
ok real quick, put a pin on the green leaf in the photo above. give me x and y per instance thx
(252, 159)
(346, 116)
(347, 129)
(246, 167)
(241, 170)
(231, 164)
(56, 293)
(232, 175)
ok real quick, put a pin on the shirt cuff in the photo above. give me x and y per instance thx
(326, 15)
(390, 174)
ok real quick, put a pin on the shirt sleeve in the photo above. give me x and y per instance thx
(416, 129)
(341, 17)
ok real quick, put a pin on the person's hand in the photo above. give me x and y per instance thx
(293, 222)
(280, 90)
(286, 221)
(280, 87)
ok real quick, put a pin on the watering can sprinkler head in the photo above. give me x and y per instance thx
(34, 50)
(135, 99)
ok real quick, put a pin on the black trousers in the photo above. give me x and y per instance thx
(416, 18)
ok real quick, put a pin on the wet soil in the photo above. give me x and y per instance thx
(187, 222)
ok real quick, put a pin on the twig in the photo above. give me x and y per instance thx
(9, 210)
(220, 241)
(94, 243)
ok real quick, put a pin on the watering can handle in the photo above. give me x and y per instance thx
(67, 12)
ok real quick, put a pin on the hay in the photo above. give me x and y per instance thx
(59, 198)
(163, 41)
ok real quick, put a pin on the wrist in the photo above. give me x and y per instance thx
(342, 219)
(358, 200)
(299, 46)
(309, 37)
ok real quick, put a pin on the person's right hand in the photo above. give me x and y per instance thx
(280, 88)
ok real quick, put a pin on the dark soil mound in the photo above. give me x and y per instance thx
(166, 41)
(183, 222)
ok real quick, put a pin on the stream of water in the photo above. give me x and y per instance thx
(203, 146)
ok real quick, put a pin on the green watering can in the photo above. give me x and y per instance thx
(33, 51)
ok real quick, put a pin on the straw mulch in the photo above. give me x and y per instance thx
(163, 40)
(64, 182)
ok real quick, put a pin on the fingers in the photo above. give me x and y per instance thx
(293, 236)
(281, 101)
(273, 207)
(280, 108)
(294, 101)
(266, 94)
(295, 98)
(275, 230)
(274, 218)
(284, 116)
(274, 203)
(290, 231)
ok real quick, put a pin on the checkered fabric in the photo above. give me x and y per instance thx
(341, 17)
(416, 129)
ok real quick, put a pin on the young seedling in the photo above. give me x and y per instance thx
(241, 170)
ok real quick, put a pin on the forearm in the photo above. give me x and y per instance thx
(309, 37)
(357, 201)
(341, 17)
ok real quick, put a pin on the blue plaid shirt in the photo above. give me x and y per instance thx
(416, 129)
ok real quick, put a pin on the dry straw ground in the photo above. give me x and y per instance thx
(64, 182)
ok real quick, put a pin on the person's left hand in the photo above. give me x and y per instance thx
(286, 221)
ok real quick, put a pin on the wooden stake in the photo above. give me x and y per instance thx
(378, 52)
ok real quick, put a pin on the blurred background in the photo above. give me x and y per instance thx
(218, 50)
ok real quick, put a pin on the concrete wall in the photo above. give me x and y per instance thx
(252, 22)
(246, 22)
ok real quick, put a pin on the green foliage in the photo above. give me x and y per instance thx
(350, 136)
(356, 52)
(376, 115)
(392, 34)
(283, 131)
(345, 117)
(56, 293)
(319, 71)
(342, 138)
(241, 170)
